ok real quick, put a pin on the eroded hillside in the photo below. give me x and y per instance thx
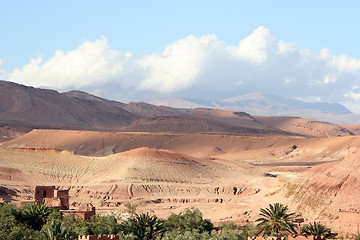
(227, 177)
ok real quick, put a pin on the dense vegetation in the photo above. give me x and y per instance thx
(36, 221)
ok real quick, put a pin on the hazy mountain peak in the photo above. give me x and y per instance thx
(265, 104)
(175, 102)
(246, 97)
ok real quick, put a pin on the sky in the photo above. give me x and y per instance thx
(138, 50)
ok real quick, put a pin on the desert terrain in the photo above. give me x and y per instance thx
(227, 177)
(166, 160)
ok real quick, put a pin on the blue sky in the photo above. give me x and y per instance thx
(307, 49)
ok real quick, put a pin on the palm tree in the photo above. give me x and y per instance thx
(317, 230)
(144, 226)
(35, 214)
(55, 230)
(276, 221)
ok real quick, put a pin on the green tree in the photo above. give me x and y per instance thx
(276, 221)
(56, 230)
(230, 235)
(34, 215)
(188, 221)
(10, 227)
(249, 229)
(76, 225)
(317, 230)
(100, 225)
(228, 226)
(54, 214)
(143, 226)
(195, 234)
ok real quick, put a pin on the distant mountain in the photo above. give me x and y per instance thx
(271, 101)
(25, 108)
(177, 102)
(261, 104)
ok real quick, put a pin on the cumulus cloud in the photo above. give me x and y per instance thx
(92, 63)
(344, 63)
(256, 47)
(179, 66)
(258, 62)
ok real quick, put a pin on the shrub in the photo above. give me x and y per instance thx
(317, 230)
(188, 221)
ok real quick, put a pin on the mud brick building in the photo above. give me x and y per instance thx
(52, 197)
(84, 213)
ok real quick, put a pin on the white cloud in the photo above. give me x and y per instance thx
(257, 46)
(331, 78)
(178, 67)
(325, 53)
(92, 63)
(258, 63)
(286, 47)
(345, 63)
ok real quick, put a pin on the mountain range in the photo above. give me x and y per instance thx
(24, 108)
(264, 104)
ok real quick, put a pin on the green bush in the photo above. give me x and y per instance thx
(76, 225)
(317, 230)
(230, 235)
(101, 225)
(189, 221)
(186, 235)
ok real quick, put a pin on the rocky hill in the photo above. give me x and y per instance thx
(28, 108)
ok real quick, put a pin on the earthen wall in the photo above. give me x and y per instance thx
(83, 213)
(42, 192)
(52, 197)
(299, 237)
(103, 237)
(349, 222)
